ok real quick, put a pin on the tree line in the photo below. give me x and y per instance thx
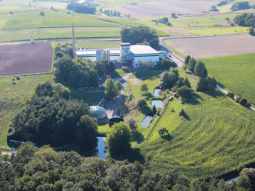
(246, 20)
(87, 8)
(44, 169)
(205, 84)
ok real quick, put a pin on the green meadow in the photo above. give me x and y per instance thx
(236, 73)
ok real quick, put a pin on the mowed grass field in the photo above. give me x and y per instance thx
(236, 73)
(13, 97)
(218, 137)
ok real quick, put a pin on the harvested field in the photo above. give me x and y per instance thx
(204, 47)
(152, 8)
(26, 58)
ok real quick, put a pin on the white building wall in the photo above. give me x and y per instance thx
(146, 59)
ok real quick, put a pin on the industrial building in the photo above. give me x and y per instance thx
(134, 54)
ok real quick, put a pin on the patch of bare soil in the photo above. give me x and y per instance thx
(204, 47)
(156, 8)
(27, 58)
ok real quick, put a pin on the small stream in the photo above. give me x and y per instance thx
(101, 151)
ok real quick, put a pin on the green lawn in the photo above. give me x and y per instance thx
(13, 98)
(235, 73)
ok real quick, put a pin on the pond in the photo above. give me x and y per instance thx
(101, 153)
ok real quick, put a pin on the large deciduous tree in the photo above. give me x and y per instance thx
(76, 75)
(119, 140)
(112, 89)
(200, 70)
(140, 34)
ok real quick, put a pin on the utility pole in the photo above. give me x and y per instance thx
(73, 42)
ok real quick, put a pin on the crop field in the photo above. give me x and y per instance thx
(14, 96)
(151, 8)
(52, 24)
(205, 47)
(217, 137)
(235, 73)
(25, 58)
(207, 25)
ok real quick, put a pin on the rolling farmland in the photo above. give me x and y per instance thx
(236, 73)
(218, 137)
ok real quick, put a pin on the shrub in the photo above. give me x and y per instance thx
(164, 134)
(144, 88)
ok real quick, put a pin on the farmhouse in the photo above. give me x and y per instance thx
(134, 54)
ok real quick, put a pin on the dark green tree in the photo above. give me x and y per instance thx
(144, 107)
(76, 75)
(200, 70)
(191, 65)
(169, 79)
(112, 89)
(119, 140)
(185, 93)
(206, 85)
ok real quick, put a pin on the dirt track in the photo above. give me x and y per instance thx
(25, 58)
(204, 47)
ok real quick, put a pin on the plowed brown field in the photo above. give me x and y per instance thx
(27, 58)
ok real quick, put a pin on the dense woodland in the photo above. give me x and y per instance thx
(33, 169)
